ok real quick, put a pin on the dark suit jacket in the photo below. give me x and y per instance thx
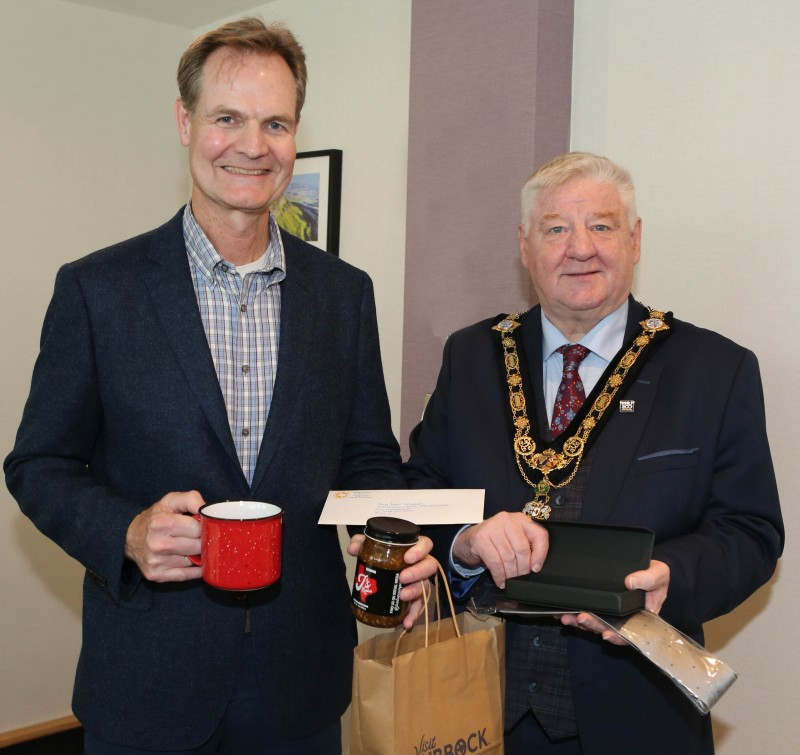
(691, 463)
(125, 407)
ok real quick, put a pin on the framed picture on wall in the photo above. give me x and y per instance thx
(310, 206)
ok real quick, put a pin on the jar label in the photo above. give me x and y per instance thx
(376, 591)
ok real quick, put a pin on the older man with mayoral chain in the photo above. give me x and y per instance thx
(593, 408)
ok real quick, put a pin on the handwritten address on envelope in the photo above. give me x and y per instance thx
(456, 506)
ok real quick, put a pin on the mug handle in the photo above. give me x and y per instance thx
(196, 560)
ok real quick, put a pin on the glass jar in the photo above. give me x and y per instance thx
(376, 586)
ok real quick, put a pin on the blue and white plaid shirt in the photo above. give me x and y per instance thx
(242, 318)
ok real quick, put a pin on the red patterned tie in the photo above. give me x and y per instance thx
(570, 396)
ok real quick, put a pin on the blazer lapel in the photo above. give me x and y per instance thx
(532, 340)
(615, 450)
(297, 321)
(169, 284)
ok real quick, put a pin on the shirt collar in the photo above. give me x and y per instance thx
(604, 339)
(207, 259)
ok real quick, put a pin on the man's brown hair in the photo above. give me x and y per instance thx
(243, 37)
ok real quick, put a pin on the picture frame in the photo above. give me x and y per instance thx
(310, 207)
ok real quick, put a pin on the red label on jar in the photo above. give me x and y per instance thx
(376, 591)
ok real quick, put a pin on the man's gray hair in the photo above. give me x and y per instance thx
(565, 168)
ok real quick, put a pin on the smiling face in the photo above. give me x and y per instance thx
(580, 252)
(241, 135)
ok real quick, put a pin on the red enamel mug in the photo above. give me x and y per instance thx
(240, 544)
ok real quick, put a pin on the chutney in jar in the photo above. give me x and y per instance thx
(376, 585)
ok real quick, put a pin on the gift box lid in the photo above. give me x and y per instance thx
(585, 569)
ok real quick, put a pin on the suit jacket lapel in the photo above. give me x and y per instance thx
(169, 283)
(532, 344)
(615, 450)
(297, 320)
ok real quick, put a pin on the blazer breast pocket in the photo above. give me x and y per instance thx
(667, 459)
(667, 489)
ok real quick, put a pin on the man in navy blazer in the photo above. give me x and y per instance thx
(671, 437)
(213, 358)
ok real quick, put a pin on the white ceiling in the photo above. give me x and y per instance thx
(187, 13)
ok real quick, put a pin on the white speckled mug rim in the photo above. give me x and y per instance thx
(240, 510)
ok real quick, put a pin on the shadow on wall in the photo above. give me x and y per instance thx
(66, 743)
(58, 573)
(721, 631)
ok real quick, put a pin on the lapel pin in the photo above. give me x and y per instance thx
(627, 406)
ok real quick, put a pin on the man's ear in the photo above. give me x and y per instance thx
(637, 240)
(523, 246)
(184, 120)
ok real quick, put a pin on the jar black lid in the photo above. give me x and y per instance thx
(392, 530)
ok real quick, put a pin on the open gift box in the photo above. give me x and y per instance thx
(585, 569)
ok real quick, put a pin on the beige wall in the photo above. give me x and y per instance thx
(90, 156)
(700, 101)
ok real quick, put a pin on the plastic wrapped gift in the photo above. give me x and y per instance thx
(701, 676)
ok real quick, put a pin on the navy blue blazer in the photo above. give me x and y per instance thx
(125, 407)
(691, 463)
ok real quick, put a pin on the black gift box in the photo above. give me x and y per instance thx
(585, 569)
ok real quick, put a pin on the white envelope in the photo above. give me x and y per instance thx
(434, 506)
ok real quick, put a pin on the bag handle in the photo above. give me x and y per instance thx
(446, 583)
(426, 595)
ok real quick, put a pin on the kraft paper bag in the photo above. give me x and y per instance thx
(436, 690)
